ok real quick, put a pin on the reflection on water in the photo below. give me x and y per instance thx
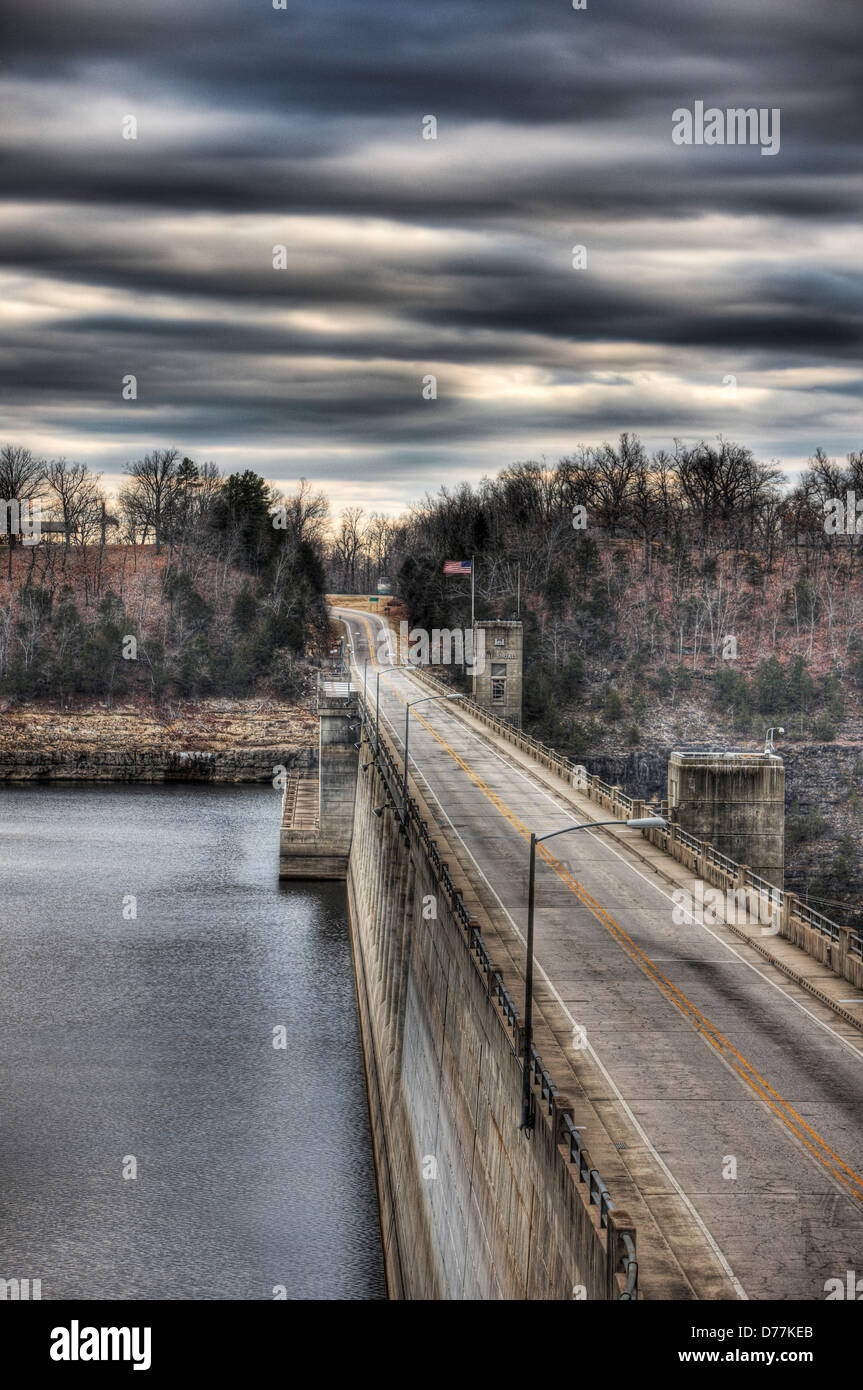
(148, 958)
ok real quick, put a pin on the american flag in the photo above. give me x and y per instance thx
(456, 566)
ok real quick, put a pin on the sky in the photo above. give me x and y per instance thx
(719, 290)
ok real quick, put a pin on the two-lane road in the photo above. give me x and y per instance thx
(741, 1103)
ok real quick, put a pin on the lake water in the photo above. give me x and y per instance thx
(145, 1043)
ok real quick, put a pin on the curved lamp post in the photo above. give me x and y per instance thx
(640, 823)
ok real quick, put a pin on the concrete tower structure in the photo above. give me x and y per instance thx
(497, 685)
(736, 802)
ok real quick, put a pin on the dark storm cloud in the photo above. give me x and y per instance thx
(302, 127)
(475, 59)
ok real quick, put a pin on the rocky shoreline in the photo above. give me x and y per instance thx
(211, 741)
(154, 765)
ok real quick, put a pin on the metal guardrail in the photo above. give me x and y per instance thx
(723, 862)
(598, 1194)
(823, 924)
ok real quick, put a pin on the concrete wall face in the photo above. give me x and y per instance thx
(470, 1208)
(498, 686)
(323, 853)
(735, 802)
(338, 770)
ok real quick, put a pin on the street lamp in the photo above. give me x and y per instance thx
(639, 823)
(365, 766)
(377, 713)
(408, 707)
(768, 741)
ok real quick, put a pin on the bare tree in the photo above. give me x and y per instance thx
(306, 515)
(348, 544)
(73, 490)
(21, 480)
(150, 494)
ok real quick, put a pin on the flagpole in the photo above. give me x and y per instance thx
(473, 558)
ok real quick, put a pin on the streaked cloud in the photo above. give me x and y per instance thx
(405, 257)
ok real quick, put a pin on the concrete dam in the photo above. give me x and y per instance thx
(657, 1064)
(469, 1208)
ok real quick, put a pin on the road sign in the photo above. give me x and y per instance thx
(372, 599)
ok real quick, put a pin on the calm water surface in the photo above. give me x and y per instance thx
(152, 1039)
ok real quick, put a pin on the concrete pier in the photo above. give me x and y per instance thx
(318, 813)
(735, 802)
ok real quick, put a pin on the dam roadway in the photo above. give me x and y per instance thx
(721, 1102)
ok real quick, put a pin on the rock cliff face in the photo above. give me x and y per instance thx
(203, 741)
(151, 765)
(643, 772)
(824, 819)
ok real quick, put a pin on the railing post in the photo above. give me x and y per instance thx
(838, 952)
(620, 1225)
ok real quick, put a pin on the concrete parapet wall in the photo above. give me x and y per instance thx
(470, 1207)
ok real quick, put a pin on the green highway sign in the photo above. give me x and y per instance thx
(373, 600)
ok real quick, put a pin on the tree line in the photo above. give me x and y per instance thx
(235, 603)
(671, 566)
